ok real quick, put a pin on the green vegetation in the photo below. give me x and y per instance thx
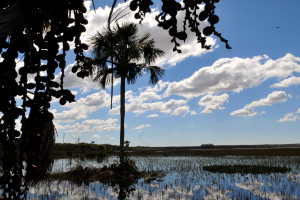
(246, 169)
(115, 174)
(83, 150)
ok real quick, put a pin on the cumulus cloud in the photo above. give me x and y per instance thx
(152, 116)
(152, 92)
(72, 81)
(181, 110)
(213, 102)
(91, 125)
(96, 136)
(150, 99)
(189, 48)
(142, 126)
(234, 74)
(80, 109)
(290, 117)
(245, 112)
(273, 98)
(139, 107)
(287, 82)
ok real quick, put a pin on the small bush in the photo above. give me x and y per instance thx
(246, 169)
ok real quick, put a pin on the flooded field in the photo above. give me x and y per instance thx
(185, 179)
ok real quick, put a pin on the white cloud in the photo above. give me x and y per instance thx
(193, 113)
(80, 109)
(245, 112)
(96, 136)
(149, 25)
(181, 110)
(91, 125)
(152, 116)
(151, 92)
(287, 82)
(273, 98)
(71, 80)
(142, 126)
(290, 117)
(139, 107)
(234, 74)
(211, 102)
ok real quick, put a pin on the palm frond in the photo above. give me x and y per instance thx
(151, 53)
(104, 77)
(156, 73)
(144, 38)
(133, 72)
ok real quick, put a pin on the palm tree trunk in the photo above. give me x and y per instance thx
(122, 115)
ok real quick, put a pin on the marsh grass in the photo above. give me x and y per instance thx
(186, 179)
(114, 174)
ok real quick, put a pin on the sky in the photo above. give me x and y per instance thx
(246, 95)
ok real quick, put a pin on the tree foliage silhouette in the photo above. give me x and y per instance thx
(33, 31)
(121, 53)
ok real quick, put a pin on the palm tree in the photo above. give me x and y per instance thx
(121, 53)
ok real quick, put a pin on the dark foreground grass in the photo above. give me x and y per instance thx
(114, 174)
(246, 169)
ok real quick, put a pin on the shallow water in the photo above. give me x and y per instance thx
(184, 179)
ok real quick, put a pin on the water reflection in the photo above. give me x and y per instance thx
(184, 179)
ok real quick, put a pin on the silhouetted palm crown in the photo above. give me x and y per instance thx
(129, 53)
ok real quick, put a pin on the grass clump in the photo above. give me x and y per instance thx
(125, 174)
(246, 169)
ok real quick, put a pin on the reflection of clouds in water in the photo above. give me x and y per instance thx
(185, 179)
(256, 188)
(65, 190)
(215, 193)
(294, 177)
(154, 190)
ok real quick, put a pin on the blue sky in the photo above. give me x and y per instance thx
(248, 95)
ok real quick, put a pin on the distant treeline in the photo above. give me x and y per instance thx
(83, 149)
(67, 150)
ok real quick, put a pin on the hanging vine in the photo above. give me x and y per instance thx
(194, 17)
(36, 37)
